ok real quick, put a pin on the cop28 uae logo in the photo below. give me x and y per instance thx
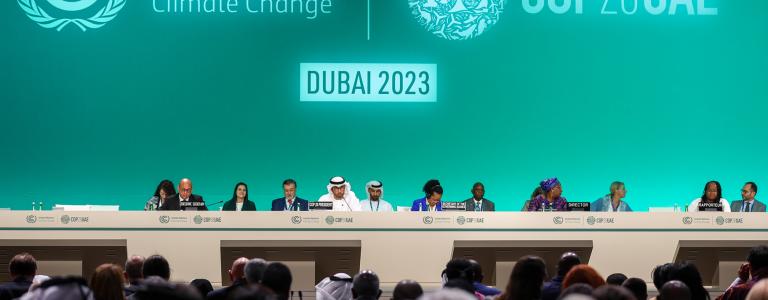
(70, 9)
(457, 19)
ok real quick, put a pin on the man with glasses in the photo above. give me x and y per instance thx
(749, 203)
(184, 200)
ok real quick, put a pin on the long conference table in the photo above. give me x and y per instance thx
(401, 245)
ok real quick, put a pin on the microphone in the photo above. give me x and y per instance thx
(220, 202)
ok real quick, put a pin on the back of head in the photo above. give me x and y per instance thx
(675, 290)
(237, 270)
(526, 279)
(158, 288)
(336, 287)
(567, 261)
(759, 291)
(448, 294)
(156, 265)
(203, 286)
(459, 268)
(477, 270)
(661, 275)
(615, 279)
(637, 286)
(758, 258)
(278, 278)
(583, 274)
(365, 285)
(407, 290)
(577, 289)
(254, 270)
(107, 282)
(612, 292)
(133, 268)
(689, 274)
(23, 264)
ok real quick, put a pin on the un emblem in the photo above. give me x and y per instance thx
(687, 220)
(557, 220)
(164, 219)
(457, 19)
(428, 220)
(31, 219)
(720, 220)
(296, 219)
(97, 20)
(65, 219)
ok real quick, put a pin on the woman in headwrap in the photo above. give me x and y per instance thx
(551, 200)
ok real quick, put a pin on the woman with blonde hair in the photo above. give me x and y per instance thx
(612, 201)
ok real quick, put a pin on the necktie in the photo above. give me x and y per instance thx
(478, 206)
(746, 208)
(290, 204)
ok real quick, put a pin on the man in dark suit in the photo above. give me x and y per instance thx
(477, 202)
(237, 275)
(22, 268)
(184, 200)
(132, 274)
(290, 202)
(749, 203)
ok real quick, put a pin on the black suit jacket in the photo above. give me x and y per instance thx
(172, 202)
(298, 204)
(487, 205)
(231, 205)
(14, 289)
(224, 293)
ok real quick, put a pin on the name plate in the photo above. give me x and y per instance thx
(718, 206)
(454, 206)
(320, 206)
(578, 206)
(191, 206)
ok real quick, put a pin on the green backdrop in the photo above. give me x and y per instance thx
(663, 103)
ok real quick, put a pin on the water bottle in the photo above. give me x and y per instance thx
(34, 205)
(41, 205)
(677, 208)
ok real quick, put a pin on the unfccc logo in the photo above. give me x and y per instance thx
(457, 19)
(97, 19)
